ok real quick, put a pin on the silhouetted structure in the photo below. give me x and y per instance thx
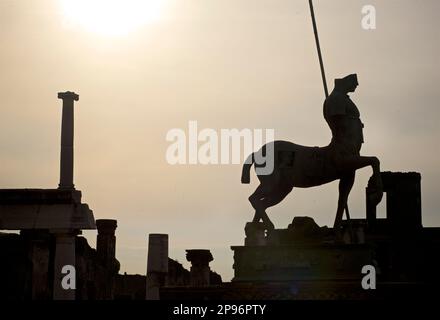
(300, 262)
(303, 261)
(27, 271)
(304, 167)
(200, 271)
(58, 212)
(157, 264)
(50, 222)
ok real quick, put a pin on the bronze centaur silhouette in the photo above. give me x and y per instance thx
(304, 167)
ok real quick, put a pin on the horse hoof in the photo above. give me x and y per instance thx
(375, 197)
(269, 225)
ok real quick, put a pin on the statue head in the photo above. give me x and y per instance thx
(347, 84)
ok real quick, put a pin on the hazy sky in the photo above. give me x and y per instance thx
(226, 64)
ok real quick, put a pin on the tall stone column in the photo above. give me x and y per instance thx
(200, 270)
(64, 256)
(67, 130)
(157, 265)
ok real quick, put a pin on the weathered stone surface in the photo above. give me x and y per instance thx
(403, 201)
(200, 271)
(106, 240)
(157, 264)
(39, 196)
(255, 234)
(302, 230)
(300, 262)
(44, 209)
(26, 274)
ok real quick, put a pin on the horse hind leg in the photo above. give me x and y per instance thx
(255, 199)
(265, 197)
(273, 199)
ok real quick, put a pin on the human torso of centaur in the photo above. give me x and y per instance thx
(304, 166)
(343, 118)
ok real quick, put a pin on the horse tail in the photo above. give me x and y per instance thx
(245, 174)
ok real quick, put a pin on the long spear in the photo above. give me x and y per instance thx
(324, 81)
(318, 47)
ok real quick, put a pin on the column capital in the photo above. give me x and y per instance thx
(106, 226)
(199, 256)
(68, 95)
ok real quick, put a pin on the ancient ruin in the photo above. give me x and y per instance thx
(302, 261)
(48, 259)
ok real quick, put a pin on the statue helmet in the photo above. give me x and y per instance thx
(347, 81)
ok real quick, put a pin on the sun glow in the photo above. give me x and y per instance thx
(111, 17)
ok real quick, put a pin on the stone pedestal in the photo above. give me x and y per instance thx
(58, 210)
(23, 209)
(255, 234)
(302, 252)
(200, 271)
(302, 262)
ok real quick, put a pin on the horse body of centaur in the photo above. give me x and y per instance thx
(303, 167)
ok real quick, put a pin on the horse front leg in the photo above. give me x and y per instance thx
(345, 184)
(348, 164)
(375, 186)
(352, 163)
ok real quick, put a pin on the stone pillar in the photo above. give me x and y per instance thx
(200, 271)
(106, 240)
(404, 204)
(64, 256)
(403, 201)
(106, 251)
(66, 161)
(157, 265)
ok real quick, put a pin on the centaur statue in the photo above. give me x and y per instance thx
(304, 167)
